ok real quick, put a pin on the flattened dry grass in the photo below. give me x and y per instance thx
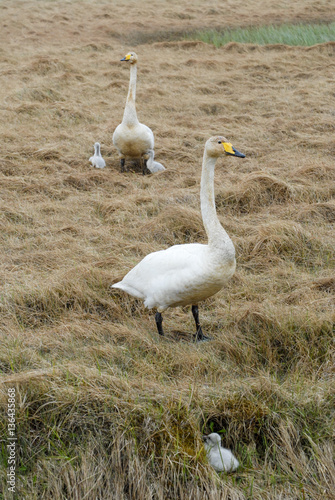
(106, 408)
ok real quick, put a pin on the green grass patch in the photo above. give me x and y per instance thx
(288, 34)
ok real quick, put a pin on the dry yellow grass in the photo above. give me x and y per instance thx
(105, 408)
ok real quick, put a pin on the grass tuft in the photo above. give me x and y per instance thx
(287, 34)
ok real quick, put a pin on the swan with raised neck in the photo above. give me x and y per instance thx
(133, 139)
(129, 115)
(187, 274)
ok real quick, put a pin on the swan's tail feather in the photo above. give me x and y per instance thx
(117, 285)
(128, 289)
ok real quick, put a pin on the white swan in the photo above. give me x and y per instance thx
(219, 458)
(97, 160)
(186, 274)
(131, 138)
(154, 166)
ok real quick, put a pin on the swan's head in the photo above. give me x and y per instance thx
(131, 57)
(212, 439)
(219, 146)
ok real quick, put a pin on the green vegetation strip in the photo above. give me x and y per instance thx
(288, 34)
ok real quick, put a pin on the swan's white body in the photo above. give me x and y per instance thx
(97, 160)
(187, 274)
(178, 276)
(133, 142)
(219, 458)
(131, 138)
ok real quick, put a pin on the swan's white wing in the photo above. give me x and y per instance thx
(179, 275)
(160, 264)
(116, 134)
(150, 135)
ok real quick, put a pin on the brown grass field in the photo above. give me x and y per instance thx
(105, 409)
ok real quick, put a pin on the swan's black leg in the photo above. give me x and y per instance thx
(159, 321)
(122, 162)
(144, 166)
(199, 336)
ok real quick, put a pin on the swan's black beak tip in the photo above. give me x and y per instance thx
(236, 153)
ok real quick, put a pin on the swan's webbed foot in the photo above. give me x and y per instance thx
(159, 321)
(199, 336)
(122, 162)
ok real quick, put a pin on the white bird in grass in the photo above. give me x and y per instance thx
(219, 458)
(186, 274)
(154, 166)
(97, 160)
(131, 138)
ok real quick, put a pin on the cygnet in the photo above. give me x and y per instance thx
(97, 160)
(219, 458)
(154, 166)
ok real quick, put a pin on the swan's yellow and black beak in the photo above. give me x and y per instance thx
(232, 151)
(126, 58)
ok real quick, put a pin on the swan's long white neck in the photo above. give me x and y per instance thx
(217, 236)
(129, 116)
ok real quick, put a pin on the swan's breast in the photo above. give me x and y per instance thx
(222, 260)
(133, 141)
(225, 269)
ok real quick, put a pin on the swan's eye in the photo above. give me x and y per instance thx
(219, 142)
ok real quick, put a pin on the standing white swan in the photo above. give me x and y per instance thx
(186, 274)
(131, 138)
(220, 458)
(97, 160)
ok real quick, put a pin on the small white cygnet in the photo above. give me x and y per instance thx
(154, 166)
(219, 458)
(97, 160)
